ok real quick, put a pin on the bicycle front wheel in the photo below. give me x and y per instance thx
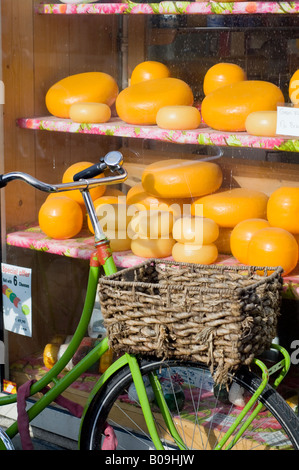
(201, 412)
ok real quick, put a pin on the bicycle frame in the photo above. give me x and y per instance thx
(102, 259)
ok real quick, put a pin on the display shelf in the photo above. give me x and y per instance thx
(173, 8)
(201, 136)
(82, 247)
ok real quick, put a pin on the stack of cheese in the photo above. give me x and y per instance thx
(163, 198)
(195, 237)
(150, 233)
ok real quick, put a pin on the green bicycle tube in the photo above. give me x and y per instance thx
(109, 266)
(81, 367)
(284, 365)
(246, 409)
(115, 366)
(156, 386)
(61, 385)
(143, 400)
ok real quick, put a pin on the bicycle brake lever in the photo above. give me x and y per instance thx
(112, 160)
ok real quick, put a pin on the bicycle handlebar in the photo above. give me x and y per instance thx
(83, 180)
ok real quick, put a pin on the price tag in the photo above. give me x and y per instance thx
(16, 295)
(287, 121)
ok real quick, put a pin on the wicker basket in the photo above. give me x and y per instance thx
(220, 315)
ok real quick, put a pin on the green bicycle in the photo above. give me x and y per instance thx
(154, 404)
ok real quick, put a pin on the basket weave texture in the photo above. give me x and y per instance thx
(222, 316)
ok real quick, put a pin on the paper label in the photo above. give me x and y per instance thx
(2, 352)
(287, 121)
(17, 302)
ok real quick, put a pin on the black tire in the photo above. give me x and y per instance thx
(277, 423)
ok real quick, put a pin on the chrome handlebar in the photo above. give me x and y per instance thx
(112, 161)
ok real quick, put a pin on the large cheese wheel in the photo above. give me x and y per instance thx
(283, 208)
(262, 123)
(97, 87)
(227, 108)
(199, 254)
(181, 178)
(195, 230)
(138, 104)
(90, 112)
(178, 117)
(157, 248)
(142, 200)
(228, 208)
(151, 224)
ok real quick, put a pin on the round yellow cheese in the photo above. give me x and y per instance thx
(223, 241)
(181, 178)
(262, 123)
(149, 70)
(90, 112)
(157, 248)
(178, 117)
(119, 240)
(221, 74)
(199, 254)
(195, 230)
(241, 235)
(50, 354)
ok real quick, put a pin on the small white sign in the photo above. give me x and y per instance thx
(2, 352)
(17, 302)
(287, 121)
(2, 92)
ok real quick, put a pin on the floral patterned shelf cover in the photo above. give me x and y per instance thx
(167, 7)
(82, 247)
(201, 136)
